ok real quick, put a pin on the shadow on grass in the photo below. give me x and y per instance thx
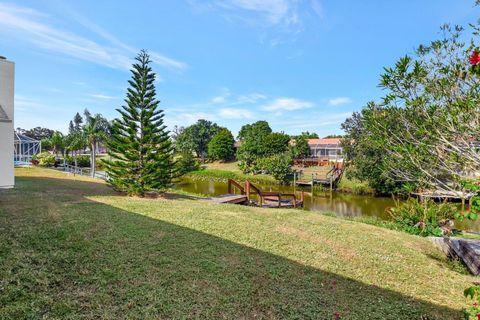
(62, 255)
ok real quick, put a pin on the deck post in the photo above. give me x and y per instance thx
(312, 184)
(294, 180)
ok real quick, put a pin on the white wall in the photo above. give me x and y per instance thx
(7, 76)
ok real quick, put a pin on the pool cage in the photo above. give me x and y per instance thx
(24, 149)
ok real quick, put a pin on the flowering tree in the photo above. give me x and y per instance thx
(428, 122)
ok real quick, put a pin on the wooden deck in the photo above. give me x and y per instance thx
(230, 198)
(331, 178)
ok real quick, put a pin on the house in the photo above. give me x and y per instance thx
(7, 75)
(326, 148)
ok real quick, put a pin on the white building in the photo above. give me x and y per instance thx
(7, 77)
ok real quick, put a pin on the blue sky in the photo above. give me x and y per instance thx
(299, 64)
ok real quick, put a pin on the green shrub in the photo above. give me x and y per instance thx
(45, 159)
(425, 218)
(82, 161)
(186, 163)
(473, 293)
(278, 166)
(221, 147)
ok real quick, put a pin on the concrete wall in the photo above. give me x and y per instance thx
(7, 78)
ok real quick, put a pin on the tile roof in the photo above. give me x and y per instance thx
(324, 141)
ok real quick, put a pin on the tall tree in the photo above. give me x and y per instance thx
(76, 141)
(57, 142)
(37, 133)
(426, 125)
(257, 141)
(140, 147)
(299, 147)
(196, 137)
(255, 130)
(310, 135)
(77, 122)
(221, 147)
(71, 127)
(95, 130)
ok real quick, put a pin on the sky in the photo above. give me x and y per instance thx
(302, 65)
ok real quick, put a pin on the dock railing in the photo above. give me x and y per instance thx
(232, 184)
(272, 196)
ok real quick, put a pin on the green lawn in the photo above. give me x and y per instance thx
(224, 166)
(75, 250)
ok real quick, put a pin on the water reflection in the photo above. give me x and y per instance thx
(342, 204)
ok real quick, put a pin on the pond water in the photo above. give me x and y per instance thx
(342, 204)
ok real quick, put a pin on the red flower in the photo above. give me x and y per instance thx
(478, 316)
(334, 284)
(337, 316)
(475, 58)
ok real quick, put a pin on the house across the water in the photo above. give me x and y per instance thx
(325, 151)
(328, 148)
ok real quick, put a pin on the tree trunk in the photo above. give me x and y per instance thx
(93, 159)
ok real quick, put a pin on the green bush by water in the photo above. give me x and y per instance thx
(424, 218)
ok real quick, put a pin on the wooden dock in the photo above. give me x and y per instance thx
(264, 199)
(230, 198)
(330, 178)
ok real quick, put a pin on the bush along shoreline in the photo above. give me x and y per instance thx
(223, 176)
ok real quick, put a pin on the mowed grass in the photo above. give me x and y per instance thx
(224, 166)
(73, 249)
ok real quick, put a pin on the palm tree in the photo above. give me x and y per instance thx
(76, 141)
(57, 142)
(95, 130)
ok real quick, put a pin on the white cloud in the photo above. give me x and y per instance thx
(251, 98)
(24, 24)
(102, 96)
(188, 118)
(314, 121)
(287, 104)
(218, 99)
(274, 10)
(234, 113)
(287, 14)
(339, 101)
(317, 8)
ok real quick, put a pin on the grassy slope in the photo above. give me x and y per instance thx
(76, 250)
